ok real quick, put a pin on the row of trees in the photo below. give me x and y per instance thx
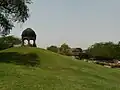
(102, 50)
(64, 49)
(105, 49)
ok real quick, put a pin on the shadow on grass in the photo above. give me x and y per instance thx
(30, 59)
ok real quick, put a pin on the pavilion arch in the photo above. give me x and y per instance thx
(28, 34)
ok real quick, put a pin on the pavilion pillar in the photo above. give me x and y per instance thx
(28, 42)
(34, 44)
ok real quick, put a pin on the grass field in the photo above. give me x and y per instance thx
(39, 69)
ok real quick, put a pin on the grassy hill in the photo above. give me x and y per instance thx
(39, 69)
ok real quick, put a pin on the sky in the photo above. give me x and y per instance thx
(79, 23)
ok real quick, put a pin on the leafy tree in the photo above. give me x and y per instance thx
(9, 41)
(119, 43)
(53, 49)
(117, 51)
(12, 11)
(65, 49)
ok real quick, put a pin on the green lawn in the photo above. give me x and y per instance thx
(39, 69)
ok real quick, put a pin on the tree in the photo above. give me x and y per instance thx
(65, 49)
(9, 41)
(53, 49)
(12, 11)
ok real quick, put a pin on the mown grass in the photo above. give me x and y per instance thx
(52, 71)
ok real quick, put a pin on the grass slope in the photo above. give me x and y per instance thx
(53, 72)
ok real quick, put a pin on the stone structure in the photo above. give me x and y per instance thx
(28, 34)
(76, 51)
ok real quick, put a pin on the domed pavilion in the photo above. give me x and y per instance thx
(28, 34)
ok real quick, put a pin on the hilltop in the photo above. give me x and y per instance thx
(39, 69)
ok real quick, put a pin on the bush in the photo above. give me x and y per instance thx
(8, 42)
(101, 63)
(53, 49)
(115, 66)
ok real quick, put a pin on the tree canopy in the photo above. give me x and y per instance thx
(9, 41)
(65, 49)
(53, 48)
(105, 50)
(12, 11)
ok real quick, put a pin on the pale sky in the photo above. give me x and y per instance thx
(78, 23)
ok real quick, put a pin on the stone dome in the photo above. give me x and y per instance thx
(28, 33)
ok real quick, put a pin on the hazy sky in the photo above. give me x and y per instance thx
(78, 23)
